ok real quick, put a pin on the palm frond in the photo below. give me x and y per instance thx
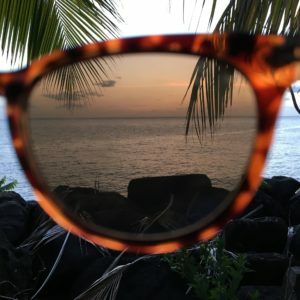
(42, 235)
(106, 287)
(57, 260)
(7, 186)
(30, 29)
(33, 28)
(211, 88)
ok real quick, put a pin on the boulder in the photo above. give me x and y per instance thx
(78, 254)
(282, 188)
(292, 283)
(153, 279)
(153, 194)
(295, 198)
(105, 209)
(13, 216)
(268, 234)
(204, 203)
(248, 292)
(294, 210)
(15, 270)
(295, 245)
(265, 269)
(36, 216)
(269, 206)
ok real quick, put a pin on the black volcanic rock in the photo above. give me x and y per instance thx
(268, 234)
(294, 210)
(106, 209)
(146, 279)
(264, 292)
(204, 203)
(295, 244)
(282, 188)
(13, 216)
(178, 200)
(15, 269)
(77, 255)
(265, 269)
(269, 206)
(36, 216)
(153, 194)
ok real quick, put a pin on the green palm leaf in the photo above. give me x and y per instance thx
(211, 90)
(4, 187)
(32, 28)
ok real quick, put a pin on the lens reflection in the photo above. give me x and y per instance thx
(114, 151)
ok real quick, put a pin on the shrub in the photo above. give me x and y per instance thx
(211, 272)
(7, 186)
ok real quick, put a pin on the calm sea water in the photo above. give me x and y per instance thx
(111, 152)
(124, 149)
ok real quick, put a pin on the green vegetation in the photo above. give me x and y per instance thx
(211, 272)
(4, 186)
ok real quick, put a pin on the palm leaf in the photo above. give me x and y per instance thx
(57, 260)
(7, 186)
(106, 287)
(32, 28)
(211, 90)
(43, 234)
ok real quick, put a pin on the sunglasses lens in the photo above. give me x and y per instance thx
(109, 142)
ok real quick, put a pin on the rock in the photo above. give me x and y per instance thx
(265, 269)
(294, 211)
(36, 216)
(295, 245)
(152, 280)
(292, 283)
(295, 198)
(15, 270)
(88, 199)
(205, 203)
(106, 209)
(147, 279)
(13, 216)
(154, 204)
(77, 255)
(268, 234)
(153, 194)
(282, 188)
(263, 292)
(269, 206)
(187, 198)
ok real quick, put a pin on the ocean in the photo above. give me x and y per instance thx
(128, 148)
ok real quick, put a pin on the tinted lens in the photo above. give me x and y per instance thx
(109, 140)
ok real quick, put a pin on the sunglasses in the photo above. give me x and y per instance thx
(126, 143)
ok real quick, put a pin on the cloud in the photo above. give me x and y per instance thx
(106, 83)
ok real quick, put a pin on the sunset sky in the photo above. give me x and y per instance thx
(150, 85)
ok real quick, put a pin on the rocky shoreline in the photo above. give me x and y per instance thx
(268, 234)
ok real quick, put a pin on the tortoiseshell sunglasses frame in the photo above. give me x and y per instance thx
(266, 61)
